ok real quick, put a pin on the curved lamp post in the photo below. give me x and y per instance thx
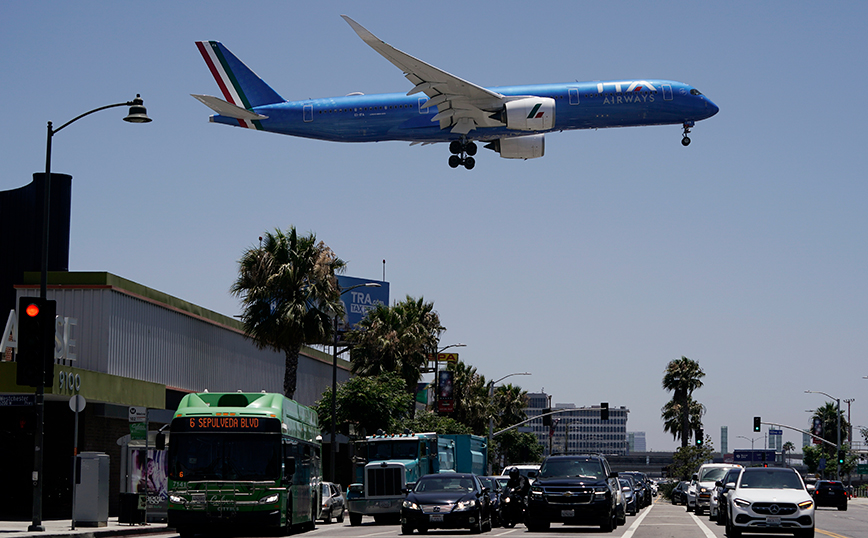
(491, 417)
(137, 114)
(838, 447)
(333, 447)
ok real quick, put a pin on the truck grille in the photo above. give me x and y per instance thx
(384, 481)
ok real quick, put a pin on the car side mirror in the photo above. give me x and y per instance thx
(729, 486)
(613, 475)
(695, 476)
(718, 484)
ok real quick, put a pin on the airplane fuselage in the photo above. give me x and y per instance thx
(397, 116)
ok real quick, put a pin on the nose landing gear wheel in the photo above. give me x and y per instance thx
(685, 141)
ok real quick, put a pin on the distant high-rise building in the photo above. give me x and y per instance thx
(724, 439)
(636, 442)
(578, 429)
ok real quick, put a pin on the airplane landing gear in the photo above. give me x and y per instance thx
(685, 140)
(462, 154)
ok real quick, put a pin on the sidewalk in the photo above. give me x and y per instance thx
(63, 527)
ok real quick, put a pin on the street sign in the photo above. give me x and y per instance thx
(17, 400)
(862, 468)
(444, 357)
(138, 414)
(137, 431)
(77, 403)
(776, 432)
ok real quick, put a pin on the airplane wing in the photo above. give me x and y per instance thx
(225, 108)
(461, 105)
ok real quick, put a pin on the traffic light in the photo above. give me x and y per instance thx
(604, 411)
(547, 419)
(699, 438)
(757, 424)
(840, 457)
(35, 355)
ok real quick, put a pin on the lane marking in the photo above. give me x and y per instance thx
(702, 526)
(629, 532)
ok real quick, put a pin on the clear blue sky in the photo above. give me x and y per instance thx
(591, 267)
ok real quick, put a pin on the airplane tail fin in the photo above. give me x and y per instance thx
(239, 84)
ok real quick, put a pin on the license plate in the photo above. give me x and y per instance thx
(773, 521)
(568, 513)
(435, 518)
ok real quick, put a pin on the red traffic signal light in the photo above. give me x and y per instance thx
(32, 310)
(35, 356)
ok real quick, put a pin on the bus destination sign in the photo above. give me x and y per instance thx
(225, 424)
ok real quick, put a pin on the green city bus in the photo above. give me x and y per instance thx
(241, 460)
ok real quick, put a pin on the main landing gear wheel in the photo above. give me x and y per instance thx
(462, 154)
(685, 140)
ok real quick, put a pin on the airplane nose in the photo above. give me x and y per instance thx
(711, 107)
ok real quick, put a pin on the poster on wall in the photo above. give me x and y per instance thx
(148, 475)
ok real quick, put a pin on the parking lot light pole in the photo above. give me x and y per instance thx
(333, 447)
(137, 114)
(491, 416)
(838, 447)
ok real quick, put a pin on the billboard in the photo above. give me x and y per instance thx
(358, 300)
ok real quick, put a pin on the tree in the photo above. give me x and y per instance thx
(687, 459)
(428, 421)
(288, 293)
(682, 377)
(673, 418)
(509, 405)
(470, 395)
(827, 415)
(786, 448)
(396, 339)
(367, 403)
(517, 447)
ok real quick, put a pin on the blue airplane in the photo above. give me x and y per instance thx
(510, 120)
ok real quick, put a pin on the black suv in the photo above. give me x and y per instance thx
(830, 493)
(575, 490)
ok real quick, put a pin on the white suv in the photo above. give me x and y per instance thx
(699, 492)
(769, 499)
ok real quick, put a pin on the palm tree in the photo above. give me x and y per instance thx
(509, 405)
(682, 376)
(288, 292)
(396, 339)
(827, 414)
(787, 447)
(673, 418)
(470, 394)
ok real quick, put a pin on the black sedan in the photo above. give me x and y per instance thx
(446, 501)
(679, 494)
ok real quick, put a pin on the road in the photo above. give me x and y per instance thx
(660, 520)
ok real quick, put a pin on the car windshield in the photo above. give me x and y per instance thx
(712, 474)
(584, 468)
(444, 484)
(769, 479)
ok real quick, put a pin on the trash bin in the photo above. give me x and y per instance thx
(132, 509)
(91, 489)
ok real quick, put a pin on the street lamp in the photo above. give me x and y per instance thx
(838, 447)
(491, 417)
(137, 114)
(751, 443)
(333, 447)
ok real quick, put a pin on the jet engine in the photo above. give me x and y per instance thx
(528, 114)
(520, 147)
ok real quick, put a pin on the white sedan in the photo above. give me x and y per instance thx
(769, 500)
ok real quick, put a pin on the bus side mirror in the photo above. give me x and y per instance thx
(289, 467)
(161, 441)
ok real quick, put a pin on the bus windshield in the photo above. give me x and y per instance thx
(393, 450)
(224, 456)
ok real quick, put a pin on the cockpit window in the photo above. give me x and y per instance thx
(694, 91)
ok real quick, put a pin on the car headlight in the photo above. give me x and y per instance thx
(804, 505)
(507, 500)
(271, 499)
(741, 503)
(536, 491)
(174, 499)
(410, 505)
(465, 505)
